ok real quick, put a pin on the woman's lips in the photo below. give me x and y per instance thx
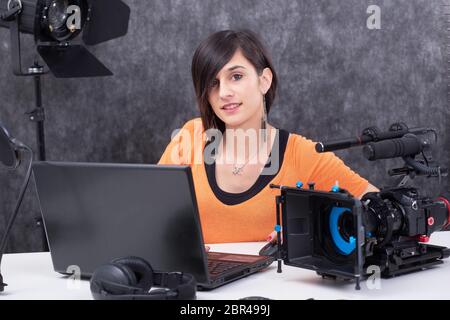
(231, 108)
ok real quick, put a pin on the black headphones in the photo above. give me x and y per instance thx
(131, 278)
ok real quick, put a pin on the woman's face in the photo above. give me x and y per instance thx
(236, 94)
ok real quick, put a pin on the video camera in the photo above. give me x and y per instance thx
(340, 236)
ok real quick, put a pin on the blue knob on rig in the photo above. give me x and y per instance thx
(335, 188)
(299, 184)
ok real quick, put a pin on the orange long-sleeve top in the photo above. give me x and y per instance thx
(250, 216)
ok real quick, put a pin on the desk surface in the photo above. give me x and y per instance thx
(31, 276)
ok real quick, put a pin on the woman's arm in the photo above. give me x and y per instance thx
(370, 188)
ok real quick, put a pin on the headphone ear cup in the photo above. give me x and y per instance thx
(128, 278)
(141, 270)
(188, 290)
(112, 279)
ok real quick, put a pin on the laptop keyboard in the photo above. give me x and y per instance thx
(216, 267)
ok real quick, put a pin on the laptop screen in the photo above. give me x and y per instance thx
(95, 212)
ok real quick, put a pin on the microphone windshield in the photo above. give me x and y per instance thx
(408, 145)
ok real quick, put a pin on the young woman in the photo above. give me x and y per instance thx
(235, 153)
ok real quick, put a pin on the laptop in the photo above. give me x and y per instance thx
(96, 212)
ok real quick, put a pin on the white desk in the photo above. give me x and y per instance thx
(31, 276)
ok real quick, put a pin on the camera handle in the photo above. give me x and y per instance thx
(414, 167)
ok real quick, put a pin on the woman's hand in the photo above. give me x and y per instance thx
(273, 237)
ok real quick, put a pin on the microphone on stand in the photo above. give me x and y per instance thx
(408, 145)
(10, 156)
(372, 134)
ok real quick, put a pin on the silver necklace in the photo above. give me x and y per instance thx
(237, 170)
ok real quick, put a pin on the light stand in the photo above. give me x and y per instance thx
(38, 114)
(36, 71)
(10, 156)
(48, 20)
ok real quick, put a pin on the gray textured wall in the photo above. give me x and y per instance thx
(336, 78)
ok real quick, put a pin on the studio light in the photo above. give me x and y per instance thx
(61, 29)
(58, 25)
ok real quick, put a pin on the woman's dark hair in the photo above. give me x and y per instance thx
(210, 57)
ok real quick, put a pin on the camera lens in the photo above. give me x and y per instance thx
(57, 14)
(346, 226)
(341, 230)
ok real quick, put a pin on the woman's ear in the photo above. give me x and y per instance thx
(265, 80)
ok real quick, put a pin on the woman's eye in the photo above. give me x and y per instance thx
(237, 76)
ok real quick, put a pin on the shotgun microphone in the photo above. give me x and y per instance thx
(372, 134)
